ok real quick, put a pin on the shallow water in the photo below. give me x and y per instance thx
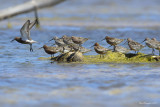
(26, 80)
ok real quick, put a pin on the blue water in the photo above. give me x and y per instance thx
(27, 81)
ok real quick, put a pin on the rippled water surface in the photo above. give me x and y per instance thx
(25, 80)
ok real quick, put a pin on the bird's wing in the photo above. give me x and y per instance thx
(32, 24)
(112, 39)
(25, 30)
(134, 43)
(102, 49)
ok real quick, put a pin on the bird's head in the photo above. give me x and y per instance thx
(129, 39)
(96, 44)
(16, 38)
(44, 46)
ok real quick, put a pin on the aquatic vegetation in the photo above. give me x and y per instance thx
(116, 57)
(110, 57)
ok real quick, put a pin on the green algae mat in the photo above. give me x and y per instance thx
(115, 57)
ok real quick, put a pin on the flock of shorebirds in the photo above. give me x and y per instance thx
(73, 43)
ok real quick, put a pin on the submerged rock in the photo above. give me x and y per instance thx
(63, 57)
(75, 57)
(70, 57)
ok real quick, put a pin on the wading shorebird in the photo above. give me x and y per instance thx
(121, 49)
(50, 50)
(67, 40)
(64, 49)
(79, 40)
(25, 34)
(58, 41)
(100, 50)
(151, 44)
(113, 41)
(157, 44)
(80, 48)
(133, 45)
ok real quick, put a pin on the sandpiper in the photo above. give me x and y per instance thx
(157, 44)
(100, 50)
(64, 49)
(121, 49)
(67, 40)
(58, 41)
(25, 34)
(113, 41)
(133, 45)
(79, 40)
(80, 48)
(151, 44)
(155, 40)
(50, 50)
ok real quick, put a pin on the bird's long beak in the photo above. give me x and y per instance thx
(103, 39)
(91, 46)
(125, 42)
(50, 40)
(109, 46)
(12, 40)
(143, 41)
(53, 44)
(40, 48)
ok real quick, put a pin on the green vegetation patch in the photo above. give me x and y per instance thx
(114, 57)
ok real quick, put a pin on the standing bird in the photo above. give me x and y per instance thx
(50, 50)
(151, 44)
(25, 34)
(80, 48)
(79, 40)
(157, 44)
(67, 40)
(121, 49)
(133, 45)
(100, 50)
(64, 49)
(113, 41)
(58, 41)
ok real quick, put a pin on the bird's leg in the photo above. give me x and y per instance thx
(12, 40)
(31, 50)
(114, 48)
(109, 46)
(153, 51)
